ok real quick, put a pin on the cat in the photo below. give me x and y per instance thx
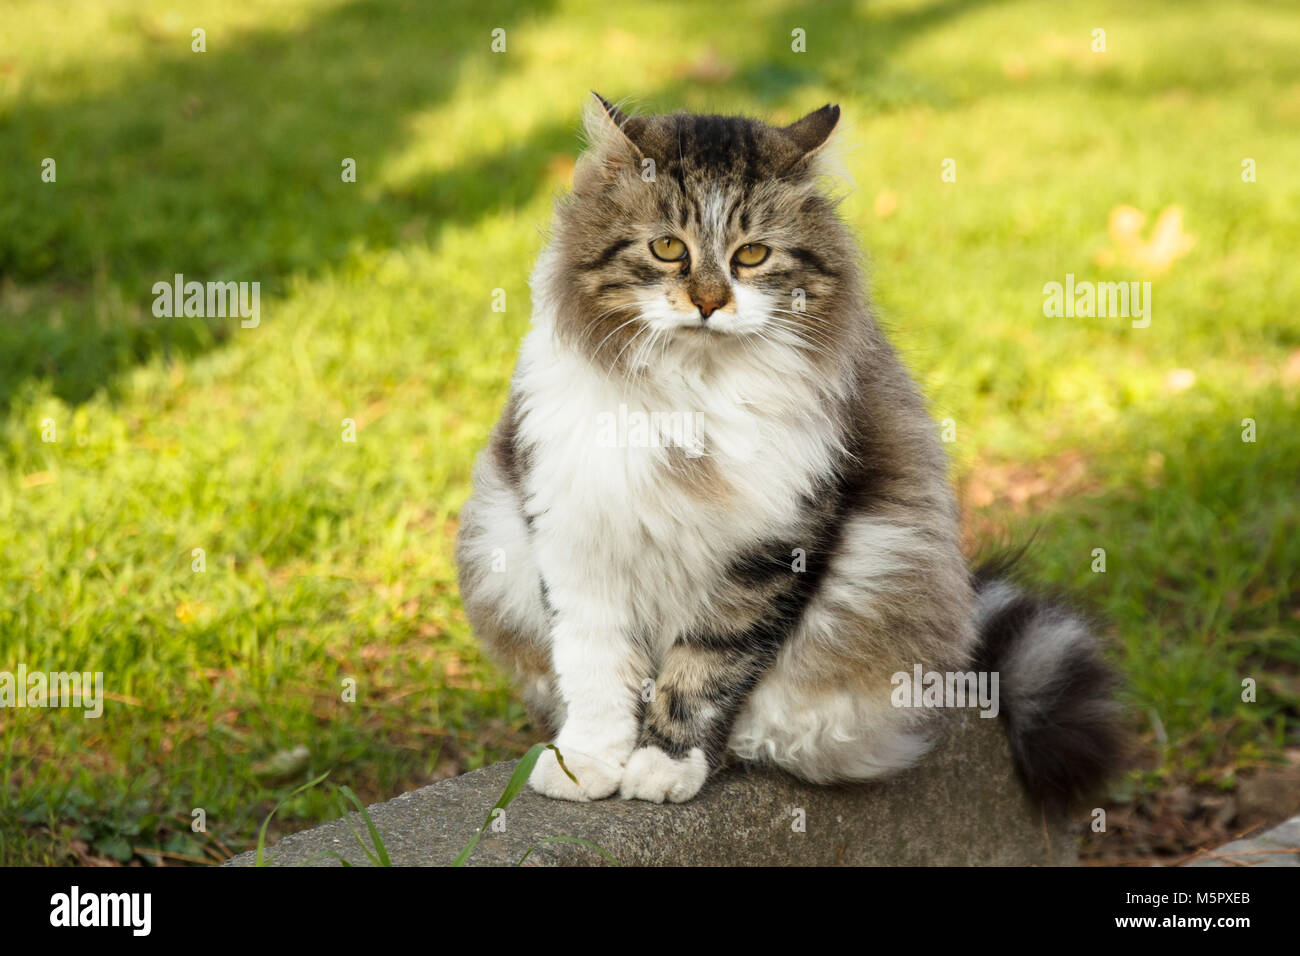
(670, 603)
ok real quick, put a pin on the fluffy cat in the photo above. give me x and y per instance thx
(714, 519)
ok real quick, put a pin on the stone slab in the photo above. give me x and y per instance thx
(961, 806)
(1277, 847)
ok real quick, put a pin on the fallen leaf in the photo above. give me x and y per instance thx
(886, 204)
(1167, 244)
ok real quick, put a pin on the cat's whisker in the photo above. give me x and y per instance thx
(800, 338)
(623, 325)
(804, 317)
(639, 332)
(802, 334)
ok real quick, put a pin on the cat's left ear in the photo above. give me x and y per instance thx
(811, 133)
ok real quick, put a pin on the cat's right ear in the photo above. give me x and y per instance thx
(611, 144)
(811, 133)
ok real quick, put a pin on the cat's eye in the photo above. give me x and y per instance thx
(751, 254)
(668, 249)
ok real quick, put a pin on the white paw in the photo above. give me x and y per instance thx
(598, 774)
(653, 775)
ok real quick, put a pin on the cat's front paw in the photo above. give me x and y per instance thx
(598, 775)
(653, 775)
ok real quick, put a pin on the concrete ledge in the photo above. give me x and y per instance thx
(961, 806)
(1278, 847)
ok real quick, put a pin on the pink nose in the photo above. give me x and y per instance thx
(707, 306)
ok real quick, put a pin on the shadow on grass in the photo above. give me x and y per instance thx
(226, 165)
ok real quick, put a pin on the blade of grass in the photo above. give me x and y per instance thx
(380, 856)
(513, 786)
(343, 813)
(567, 839)
(261, 833)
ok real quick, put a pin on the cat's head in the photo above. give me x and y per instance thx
(700, 236)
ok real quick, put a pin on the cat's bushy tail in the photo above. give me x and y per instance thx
(1057, 692)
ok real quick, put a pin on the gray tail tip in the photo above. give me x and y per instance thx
(1063, 719)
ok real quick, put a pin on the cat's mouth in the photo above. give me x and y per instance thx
(720, 324)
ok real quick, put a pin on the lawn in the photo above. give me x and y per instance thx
(249, 530)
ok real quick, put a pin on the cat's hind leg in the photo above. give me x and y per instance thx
(894, 597)
(829, 735)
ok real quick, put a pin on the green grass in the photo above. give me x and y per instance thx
(328, 560)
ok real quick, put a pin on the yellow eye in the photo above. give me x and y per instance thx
(751, 254)
(668, 249)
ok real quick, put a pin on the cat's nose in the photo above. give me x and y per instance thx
(708, 304)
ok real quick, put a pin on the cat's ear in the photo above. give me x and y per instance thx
(811, 133)
(608, 115)
(611, 137)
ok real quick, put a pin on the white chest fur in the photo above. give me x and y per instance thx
(607, 515)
